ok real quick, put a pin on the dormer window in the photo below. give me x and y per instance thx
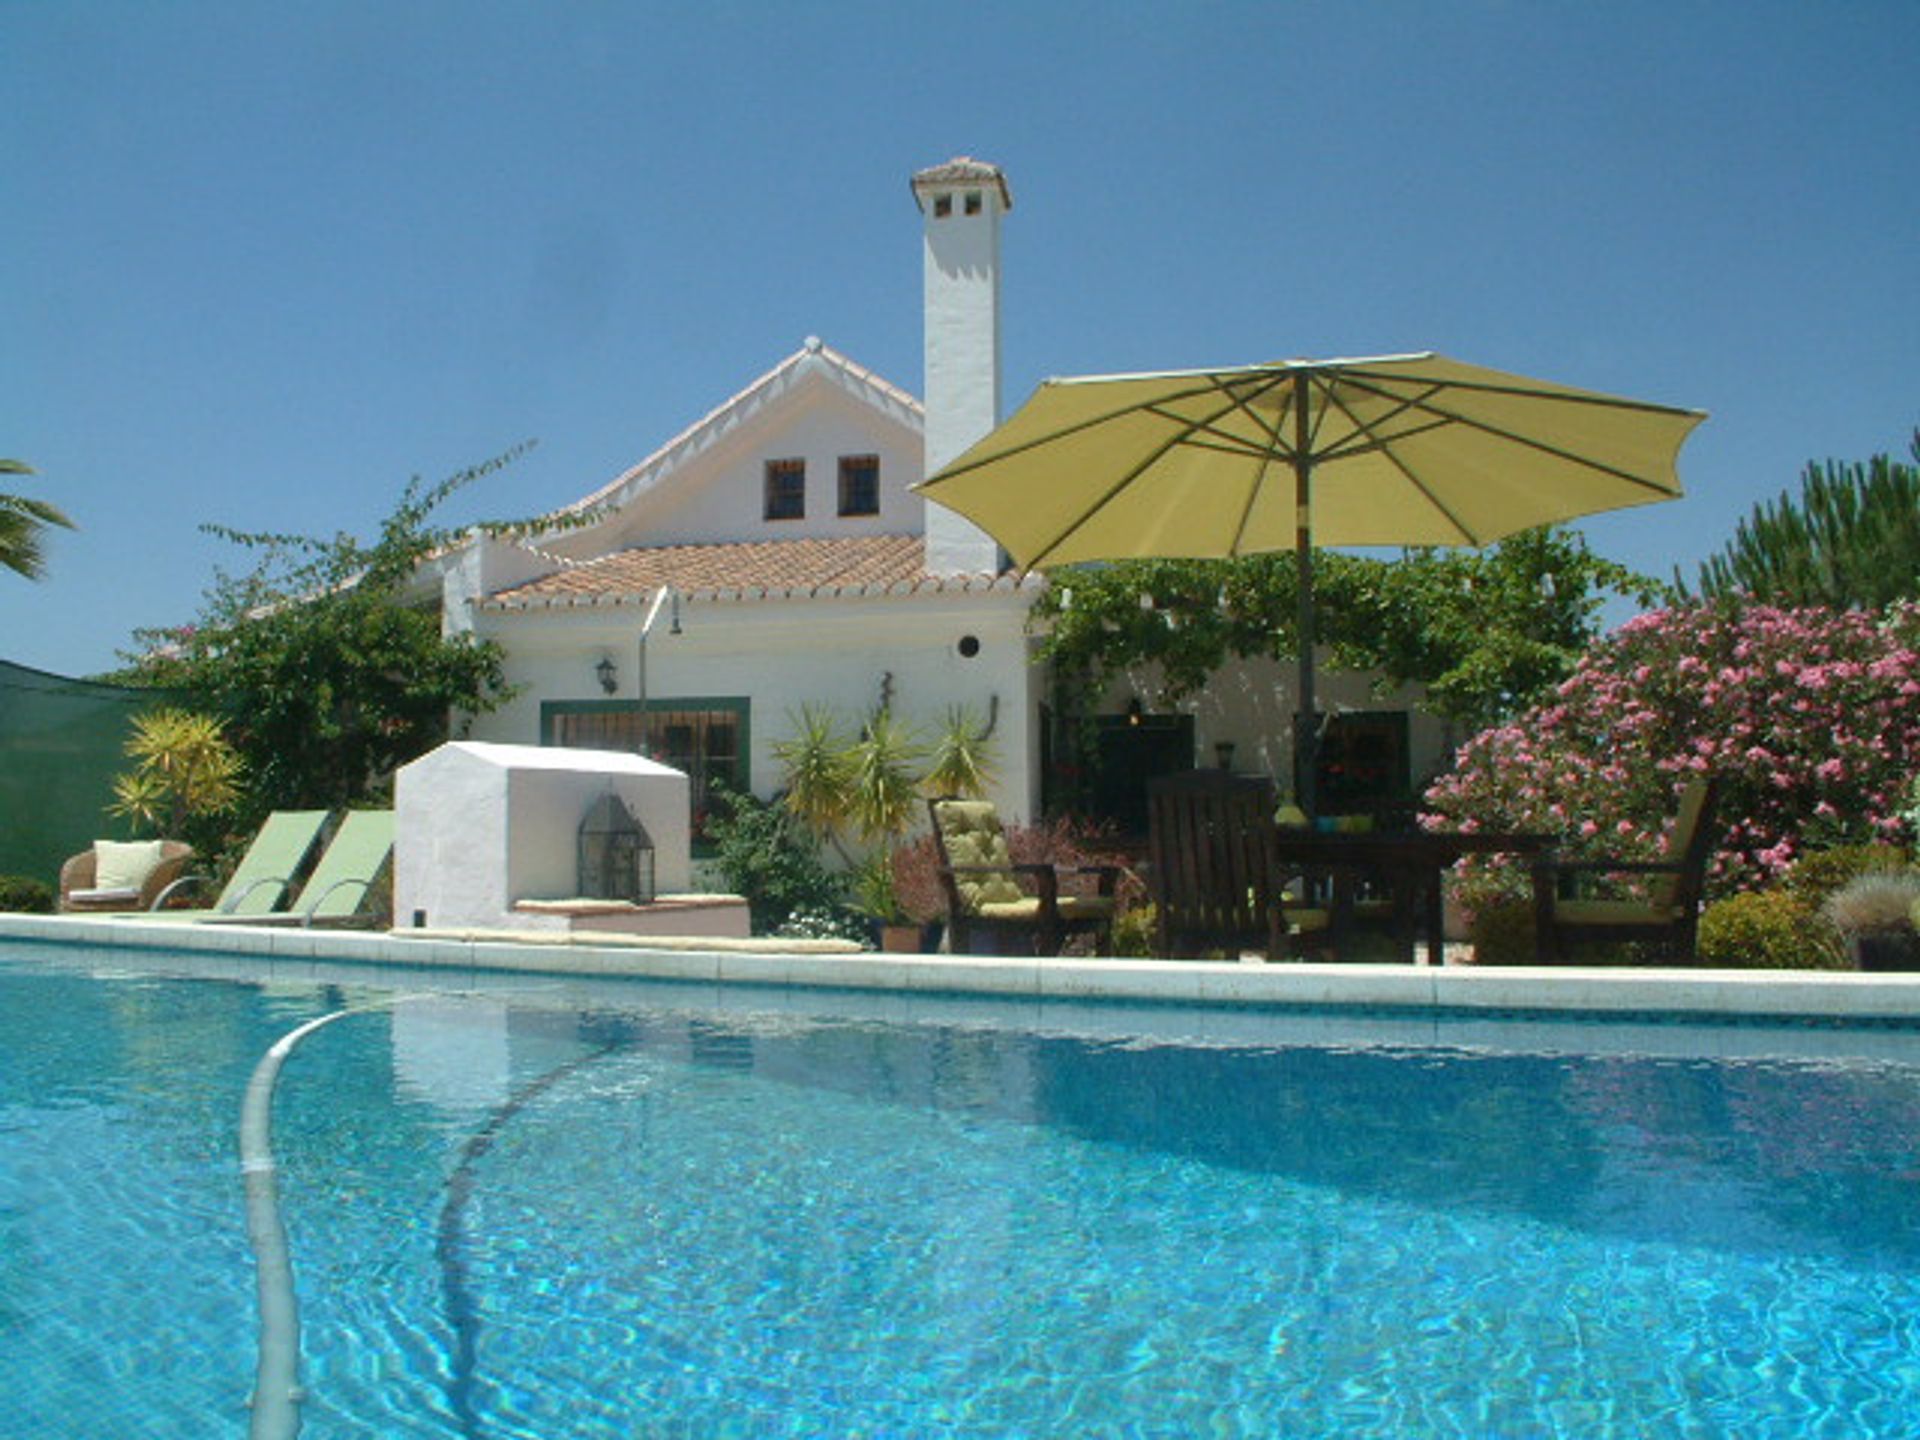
(786, 492)
(859, 485)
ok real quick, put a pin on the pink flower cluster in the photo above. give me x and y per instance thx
(1811, 719)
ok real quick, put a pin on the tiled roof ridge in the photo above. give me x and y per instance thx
(813, 349)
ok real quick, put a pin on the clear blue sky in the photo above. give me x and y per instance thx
(262, 263)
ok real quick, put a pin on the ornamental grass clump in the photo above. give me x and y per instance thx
(1875, 904)
(1810, 719)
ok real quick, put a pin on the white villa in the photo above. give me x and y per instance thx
(771, 556)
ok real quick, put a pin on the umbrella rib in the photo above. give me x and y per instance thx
(955, 470)
(1376, 379)
(1276, 449)
(1384, 447)
(1498, 432)
(1151, 459)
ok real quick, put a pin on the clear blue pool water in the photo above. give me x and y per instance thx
(625, 1211)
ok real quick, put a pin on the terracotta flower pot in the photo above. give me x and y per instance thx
(901, 939)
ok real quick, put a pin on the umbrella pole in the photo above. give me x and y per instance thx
(1306, 741)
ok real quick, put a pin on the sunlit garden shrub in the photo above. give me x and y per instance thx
(1768, 930)
(1811, 719)
(1818, 874)
(766, 856)
(1502, 932)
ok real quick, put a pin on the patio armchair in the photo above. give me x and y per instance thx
(121, 875)
(1665, 912)
(986, 896)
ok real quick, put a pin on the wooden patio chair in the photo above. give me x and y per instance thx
(1217, 883)
(986, 895)
(1665, 912)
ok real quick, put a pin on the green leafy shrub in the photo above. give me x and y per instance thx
(1134, 932)
(22, 893)
(769, 858)
(1767, 930)
(1503, 933)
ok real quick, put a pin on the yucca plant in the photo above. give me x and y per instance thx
(815, 761)
(961, 760)
(883, 787)
(184, 769)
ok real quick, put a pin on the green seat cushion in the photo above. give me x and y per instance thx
(1027, 908)
(971, 832)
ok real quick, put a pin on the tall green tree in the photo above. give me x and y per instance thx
(23, 521)
(1486, 631)
(1849, 540)
(325, 664)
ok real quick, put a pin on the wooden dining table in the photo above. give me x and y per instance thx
(1410, 863)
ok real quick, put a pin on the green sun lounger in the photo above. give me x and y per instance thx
(342, 888)
(264, 878)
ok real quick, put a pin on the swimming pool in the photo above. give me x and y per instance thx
(549, 1209)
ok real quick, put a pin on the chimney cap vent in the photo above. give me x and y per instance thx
(961, 171)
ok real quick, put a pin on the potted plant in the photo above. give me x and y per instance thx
(875, 896)
(1874, 914)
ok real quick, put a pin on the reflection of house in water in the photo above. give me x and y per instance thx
(453, 1052)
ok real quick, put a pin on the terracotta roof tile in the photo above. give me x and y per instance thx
(857, 564)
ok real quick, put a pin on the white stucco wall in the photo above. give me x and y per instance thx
(716, 490)
(781, 655)
(480, 826)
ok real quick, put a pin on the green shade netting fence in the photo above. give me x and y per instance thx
(61, 744)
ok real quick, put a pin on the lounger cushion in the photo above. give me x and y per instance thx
(119, 895)
(125, 864)
(1613, 912)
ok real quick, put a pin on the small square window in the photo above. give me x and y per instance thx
(942, 206)
(786, 490)
(973, 202)
(859, 484)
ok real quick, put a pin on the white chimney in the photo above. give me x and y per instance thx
(961, 203)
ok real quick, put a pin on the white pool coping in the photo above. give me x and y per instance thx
(1722, 994)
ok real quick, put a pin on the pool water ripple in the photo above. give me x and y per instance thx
(528, 1220)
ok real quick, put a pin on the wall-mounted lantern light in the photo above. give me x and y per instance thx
(609, 677)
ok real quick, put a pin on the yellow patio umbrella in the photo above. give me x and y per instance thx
(1389, 450)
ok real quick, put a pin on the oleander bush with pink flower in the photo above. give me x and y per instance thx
(1810, 717)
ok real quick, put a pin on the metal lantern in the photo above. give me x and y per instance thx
(616, 854)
